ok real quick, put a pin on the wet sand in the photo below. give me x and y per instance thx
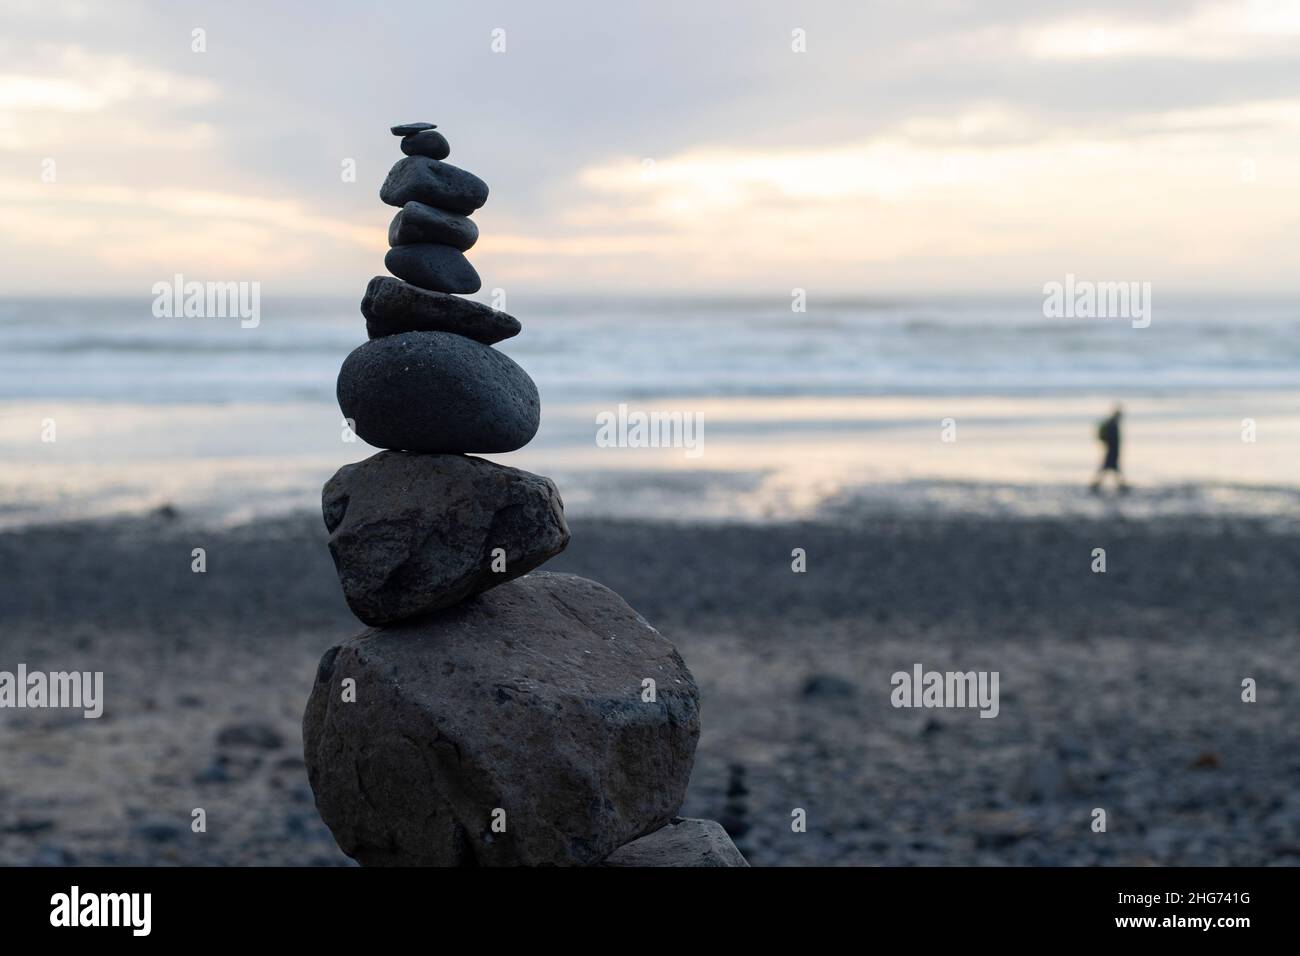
(1118, 691)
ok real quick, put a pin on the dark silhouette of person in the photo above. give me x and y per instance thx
(1108, 434)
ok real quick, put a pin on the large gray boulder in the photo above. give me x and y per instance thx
(680, 843)
(437, 392)
(414, 533)
(524, 706)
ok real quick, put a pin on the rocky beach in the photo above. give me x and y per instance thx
(695, 670)
(857, 447)
(1119, 690)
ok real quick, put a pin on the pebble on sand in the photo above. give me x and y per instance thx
(691, 843)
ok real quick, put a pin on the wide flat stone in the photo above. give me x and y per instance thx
(510, 729)
(437, 392)
(392, 306)
(417, 222)
(434, 267)
(408, 129)
(682, 842)
(421, 179)
(411, 534)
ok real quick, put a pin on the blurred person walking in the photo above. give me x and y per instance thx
(1108, 433)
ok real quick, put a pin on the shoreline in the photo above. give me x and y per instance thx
(772, 459)
(1118, 690)
(263, 494)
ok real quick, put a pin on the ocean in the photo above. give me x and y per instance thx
(924, 403)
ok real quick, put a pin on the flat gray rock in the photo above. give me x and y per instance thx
(427, 142)
(439, 184)
(523, 706)
(417, 222)
(408, 129)
(433, 267)
(682, 842)
(437, 392)
(415, 533)
(392, 306)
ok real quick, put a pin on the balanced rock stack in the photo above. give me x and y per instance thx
(489, 716)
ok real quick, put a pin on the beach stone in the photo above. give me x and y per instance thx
(414, 533)
(52, 855)
(526, 701)
(392, 306)
(440, 184)
(215, 772)
(418, 222)
(437, 392)
(433, 267)
(1045, 778)
(683, 842)
(410, 129)
(828, 686)
(256, 734)
(28, 826)
(159, 830)
(427, 142)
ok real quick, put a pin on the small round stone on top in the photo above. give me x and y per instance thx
(406, 129)
(427, 142)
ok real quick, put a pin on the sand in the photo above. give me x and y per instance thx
(1119, 691)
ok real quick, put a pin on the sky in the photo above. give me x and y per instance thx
(703, 147)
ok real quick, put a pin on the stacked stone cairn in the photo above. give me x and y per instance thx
(489, 716)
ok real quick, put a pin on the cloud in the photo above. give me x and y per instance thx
(909, 199)
(57, 98)
(946, 146)
(1234, 30)
(68, 79)
(150, 231)
(58, 101)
